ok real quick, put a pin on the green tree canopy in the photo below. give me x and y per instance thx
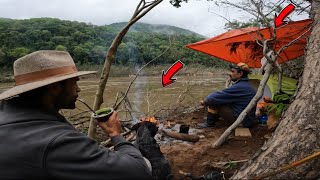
(60, 48)
(88, 43)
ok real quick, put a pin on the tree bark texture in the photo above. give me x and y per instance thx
(104, 77)
(298, 133)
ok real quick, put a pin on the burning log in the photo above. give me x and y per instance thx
(181, 136)
(149, 148)
(152, 120)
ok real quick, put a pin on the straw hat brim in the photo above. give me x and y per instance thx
(16, 90)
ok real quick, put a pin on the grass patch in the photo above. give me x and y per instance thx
(6, 75)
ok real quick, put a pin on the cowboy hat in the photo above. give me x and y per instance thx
(42, 68)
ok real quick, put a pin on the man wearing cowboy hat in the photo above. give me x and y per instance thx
(230, 102)
(39, 143)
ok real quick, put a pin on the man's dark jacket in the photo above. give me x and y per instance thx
(39, 144)
(238, 96)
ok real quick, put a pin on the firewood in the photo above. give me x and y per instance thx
(181, 136)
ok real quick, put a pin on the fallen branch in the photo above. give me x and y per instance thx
(117, 98)
(78, 114)
(163, 109)
(228, 162)
(131, 137)
(221, 164)
(80, 121)
(181, 136)
(108, 141)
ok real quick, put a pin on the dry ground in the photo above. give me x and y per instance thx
(199, 158)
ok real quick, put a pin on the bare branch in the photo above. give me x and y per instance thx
(299, 6)
(260, 13)
(108, 141)
(272, 9)
(83, 112)
(248, 10)
(304, 10)
(129, 111)
(295, 40)
(186, 91)
(257, 40)
(136, 12)
(147, 9)
(220, 16)
(140, 8)
(109, 58)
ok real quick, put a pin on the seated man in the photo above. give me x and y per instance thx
(230, 102)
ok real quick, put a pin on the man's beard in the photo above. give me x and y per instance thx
(234, 80)
(65, 101)
(71, 104)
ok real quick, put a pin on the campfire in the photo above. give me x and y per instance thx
(150, 149)
(152, 120)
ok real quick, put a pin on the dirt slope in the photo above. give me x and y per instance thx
(199, 158)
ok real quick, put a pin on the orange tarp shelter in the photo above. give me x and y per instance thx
(240, 45)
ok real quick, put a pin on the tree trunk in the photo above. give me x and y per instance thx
(297, 135)
(98, 100)
(142, 9)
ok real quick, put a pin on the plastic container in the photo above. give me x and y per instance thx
(263, 119)
(184, 128)
(103, 114)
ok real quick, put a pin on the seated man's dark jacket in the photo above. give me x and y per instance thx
(238, 96)
(39, 144)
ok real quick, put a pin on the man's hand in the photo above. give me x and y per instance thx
(112, 127)
(203, 103)
(258, 113)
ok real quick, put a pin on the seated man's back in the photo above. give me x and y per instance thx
(39, 144)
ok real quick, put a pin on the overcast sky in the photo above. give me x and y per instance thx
(197, 15)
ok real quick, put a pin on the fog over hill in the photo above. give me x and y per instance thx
(88, 43)
(157, 28)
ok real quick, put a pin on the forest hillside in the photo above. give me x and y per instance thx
(88, 43)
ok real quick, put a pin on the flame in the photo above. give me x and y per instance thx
(152, 120)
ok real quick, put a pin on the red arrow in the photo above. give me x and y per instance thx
(279, 20)
(167, 76)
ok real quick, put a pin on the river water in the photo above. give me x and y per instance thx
(146, 94)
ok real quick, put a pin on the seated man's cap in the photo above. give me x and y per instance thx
(242, 66)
